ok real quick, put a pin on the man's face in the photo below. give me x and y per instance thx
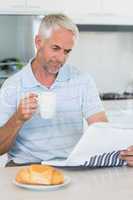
(53, 52)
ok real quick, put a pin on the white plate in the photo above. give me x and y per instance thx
(67, 180)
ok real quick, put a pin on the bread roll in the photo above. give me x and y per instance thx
(40, 174)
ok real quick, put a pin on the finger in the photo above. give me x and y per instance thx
(127, 158)
(32, 111)
(32, 106)
(29, 99)
(29, 112)
(126, 153)
(29, 107)
(31, 95)
(130, 148)
(130, 164)
(29, 104)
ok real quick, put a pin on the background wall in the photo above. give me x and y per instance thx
(107, 56)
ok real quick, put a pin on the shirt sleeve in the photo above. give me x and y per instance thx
(8, 100)
(91, 100)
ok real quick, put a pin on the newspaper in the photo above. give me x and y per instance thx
(99, 146)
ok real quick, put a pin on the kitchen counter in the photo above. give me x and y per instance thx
(107, 183)
(119, 111)
(118, 105)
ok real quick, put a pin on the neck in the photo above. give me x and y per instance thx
(42, 75)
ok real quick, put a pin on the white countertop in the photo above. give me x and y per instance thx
(119, 111)
(118, 104)
(93, 184)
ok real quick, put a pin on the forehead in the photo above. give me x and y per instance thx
(61, 37)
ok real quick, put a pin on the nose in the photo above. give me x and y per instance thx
(61, 56)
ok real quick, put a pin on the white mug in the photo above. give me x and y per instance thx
(47, 104)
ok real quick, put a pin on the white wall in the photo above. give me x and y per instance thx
(108, 56)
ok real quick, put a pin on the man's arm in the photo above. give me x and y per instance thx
(9, 131)
(98, 117)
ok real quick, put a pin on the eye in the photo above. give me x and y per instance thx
(55, 48)
(66, 52)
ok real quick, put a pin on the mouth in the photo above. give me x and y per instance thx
(56, 65)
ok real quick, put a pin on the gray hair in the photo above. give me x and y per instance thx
(52, 22)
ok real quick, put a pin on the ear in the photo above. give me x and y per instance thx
(38, 41)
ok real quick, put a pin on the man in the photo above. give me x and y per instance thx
(24, 134)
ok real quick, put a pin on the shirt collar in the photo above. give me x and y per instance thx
(64, 73)
(29, 80)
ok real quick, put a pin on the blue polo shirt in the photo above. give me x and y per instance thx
(45, 139)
